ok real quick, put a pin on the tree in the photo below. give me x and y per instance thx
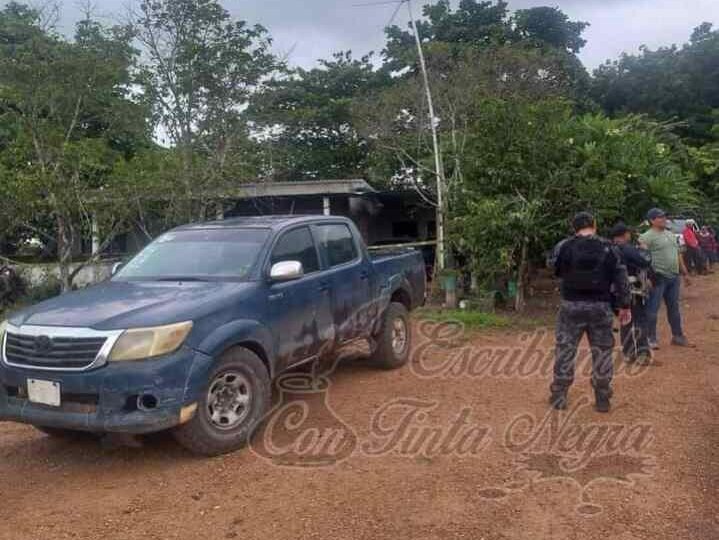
(531, 165)
(395, 120)
(670, 83)
(484, 24)
(481, 23)
(705, 161)
(304, 120)
(448, 37)
(548, 26)
(199, 70)
(67, 106)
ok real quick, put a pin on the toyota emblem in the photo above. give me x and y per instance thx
(43, 345)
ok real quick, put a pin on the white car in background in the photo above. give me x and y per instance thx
(677, 226)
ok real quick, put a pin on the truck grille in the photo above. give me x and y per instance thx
(54, 352)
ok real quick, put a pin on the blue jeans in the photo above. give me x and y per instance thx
(668, 289)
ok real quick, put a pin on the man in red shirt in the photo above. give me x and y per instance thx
(695, 258)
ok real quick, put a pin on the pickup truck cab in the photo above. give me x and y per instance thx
(190, 333)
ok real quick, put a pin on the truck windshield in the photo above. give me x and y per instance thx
(197, 255)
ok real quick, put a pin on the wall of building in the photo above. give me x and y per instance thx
(380, 219)
(399, 218)
(36, 275)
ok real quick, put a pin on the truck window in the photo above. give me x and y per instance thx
(198, 254)
(297, 245)
(337, 244)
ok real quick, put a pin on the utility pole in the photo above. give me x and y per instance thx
(441, 262)
(441, 257)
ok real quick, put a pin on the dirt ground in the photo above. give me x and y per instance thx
(656, 477)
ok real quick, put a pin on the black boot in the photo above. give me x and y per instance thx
(603, 397)
(603, 387)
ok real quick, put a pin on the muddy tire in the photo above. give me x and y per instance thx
(232, 404)
(394, 340)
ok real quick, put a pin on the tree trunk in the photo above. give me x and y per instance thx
(520, 302)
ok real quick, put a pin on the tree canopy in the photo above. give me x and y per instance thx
(198, 73)
(304, 122)
(484, 24)
(67, 106)
(671, 83)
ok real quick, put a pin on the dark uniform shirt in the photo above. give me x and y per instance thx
(592, 270)
(635, 259)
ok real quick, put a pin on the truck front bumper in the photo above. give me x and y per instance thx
(107, 399)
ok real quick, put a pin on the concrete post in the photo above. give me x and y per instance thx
(95, 236)
(95, 231)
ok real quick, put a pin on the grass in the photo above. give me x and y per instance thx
(470, 319)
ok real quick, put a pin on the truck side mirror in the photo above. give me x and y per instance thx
(116, 268)
(286, 271)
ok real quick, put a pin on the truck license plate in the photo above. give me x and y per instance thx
(43, 392)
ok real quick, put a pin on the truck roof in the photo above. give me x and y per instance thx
(259, 222)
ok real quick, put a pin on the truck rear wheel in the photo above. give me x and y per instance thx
(394, 340)
(235, 400)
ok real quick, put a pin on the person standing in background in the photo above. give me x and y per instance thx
(713, 233)
(708, 243)
(668, 264)
(695, 257)
(635, 335)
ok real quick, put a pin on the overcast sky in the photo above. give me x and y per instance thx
(312, 29)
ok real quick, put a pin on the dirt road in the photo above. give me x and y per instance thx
(506, 469)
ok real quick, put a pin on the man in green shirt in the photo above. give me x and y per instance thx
(668, 265)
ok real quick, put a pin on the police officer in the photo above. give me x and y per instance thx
(635, 336)
(592, 274)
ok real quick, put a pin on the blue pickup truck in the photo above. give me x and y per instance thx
(190, 333)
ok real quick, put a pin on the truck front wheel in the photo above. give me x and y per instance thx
(394, 340)
(234, 402)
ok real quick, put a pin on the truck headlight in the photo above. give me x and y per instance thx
(141, 343)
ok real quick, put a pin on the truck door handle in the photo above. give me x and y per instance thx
(364, 274)
(278, 296)
(324, 287)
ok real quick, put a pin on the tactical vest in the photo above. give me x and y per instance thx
(585, 267)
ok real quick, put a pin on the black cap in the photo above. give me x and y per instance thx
(620, 229)
(655, 213)
(582, 220)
